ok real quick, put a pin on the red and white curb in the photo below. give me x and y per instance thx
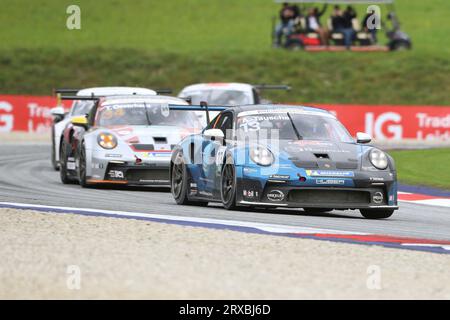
(424, 199)
(427, 245)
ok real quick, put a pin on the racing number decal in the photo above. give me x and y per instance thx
(220, 155)
(250, 124)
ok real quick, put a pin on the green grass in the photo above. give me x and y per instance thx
(177, 42)
(423, 167)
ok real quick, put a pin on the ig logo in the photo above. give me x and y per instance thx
(73, 21)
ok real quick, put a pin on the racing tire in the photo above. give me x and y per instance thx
(179, 182)
(55, 164)
(65, 179)
(376, 213)
(82, 167)
(317, 210)
(228, 186)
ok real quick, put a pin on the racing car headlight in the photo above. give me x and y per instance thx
(262, 156)
(107, 140)
(378, 159)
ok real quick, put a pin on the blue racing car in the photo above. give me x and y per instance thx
(283, 156)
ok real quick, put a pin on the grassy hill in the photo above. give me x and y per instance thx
(174, 42)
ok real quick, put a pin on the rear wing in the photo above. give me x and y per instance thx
(65, 91)
(272, 87)
(59, 92)
(74, 91)
(92, 98)
(164, 91)
(202, 107)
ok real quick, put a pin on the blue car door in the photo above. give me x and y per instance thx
(213, 151)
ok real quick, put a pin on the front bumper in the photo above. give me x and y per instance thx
(151, 175)
(363, 190)
(128, 172)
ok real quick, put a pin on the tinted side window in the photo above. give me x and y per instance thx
(225, 123)
(211, 124)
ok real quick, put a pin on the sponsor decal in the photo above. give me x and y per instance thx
(193, 188)
(377, 197)
(280, 176)
(220, 155)
(71, 166)
(250, 193)
(329, 173)
(159, 154)
(330, 181)
(311, 143)
(376, 179)
(115, 174)
(250, 170)
(108, 155)
(275, 195)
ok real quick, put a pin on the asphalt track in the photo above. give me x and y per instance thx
(27, 177)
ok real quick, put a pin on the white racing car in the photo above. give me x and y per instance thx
(226, 94)
(124, 140)
(82, 107)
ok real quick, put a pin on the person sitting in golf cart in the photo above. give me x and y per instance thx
(288, 14)
(312, 22)
(341, 22)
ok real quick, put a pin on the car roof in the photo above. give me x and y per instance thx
(266, 107)
(108, 91)
(142, 99)
(218, 85)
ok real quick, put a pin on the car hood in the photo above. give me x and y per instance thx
(156, 135)
(315, 154)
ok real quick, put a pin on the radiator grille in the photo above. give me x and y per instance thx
(330, 196)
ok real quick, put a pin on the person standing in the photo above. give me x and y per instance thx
(288, 14)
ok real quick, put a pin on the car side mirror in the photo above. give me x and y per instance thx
(213, 133)
(80, 121)
(362, 137)
(58, 113)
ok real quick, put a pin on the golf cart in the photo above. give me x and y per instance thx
(363, 39)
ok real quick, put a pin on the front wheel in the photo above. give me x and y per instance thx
(178, 181)
(376, 213)
(228, 187)
(65, 179)
(55, 163)
(82, 167)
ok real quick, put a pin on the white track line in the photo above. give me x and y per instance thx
(274, 228)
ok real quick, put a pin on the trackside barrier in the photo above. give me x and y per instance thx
(26, 113)
(392, 123)
(383, 122)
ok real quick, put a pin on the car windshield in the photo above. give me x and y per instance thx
(82, 107)
(295, 125)
(220, 97)
(135, 114)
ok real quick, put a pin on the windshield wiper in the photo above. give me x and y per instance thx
(146, 114)
(299, 137)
